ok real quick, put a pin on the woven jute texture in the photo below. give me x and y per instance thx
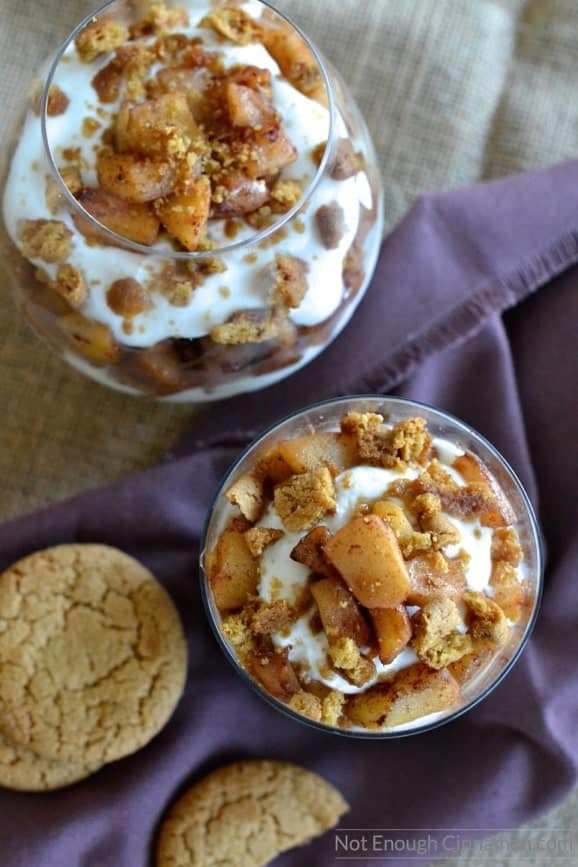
(453, 91)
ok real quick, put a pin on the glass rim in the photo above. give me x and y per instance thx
(133, 246)
(212, 614)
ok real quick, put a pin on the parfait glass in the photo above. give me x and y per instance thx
(323, 418)
(128, 303)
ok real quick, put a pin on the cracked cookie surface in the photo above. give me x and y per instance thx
(245, 814)
(25, 771)
(92, 654)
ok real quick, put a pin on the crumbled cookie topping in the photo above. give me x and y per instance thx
(305, 498)
(56, 104)
(408, 442)
(49, 240)
(258, 538)
(71, 285)
(290, 275)
(100, 37)
(437, 640)
(247, 326)
(234, 24)
(248, 494)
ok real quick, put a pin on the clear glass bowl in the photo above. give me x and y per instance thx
(157, 337)
(326, 417)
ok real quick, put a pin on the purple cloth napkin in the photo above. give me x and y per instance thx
(431, 328)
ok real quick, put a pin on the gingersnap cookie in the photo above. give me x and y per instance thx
(23, 770)
(246, 814)
(92, 654)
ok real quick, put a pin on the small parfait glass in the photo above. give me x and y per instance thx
(325, 417)
(136, 310)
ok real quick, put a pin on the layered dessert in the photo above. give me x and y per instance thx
(367, 577)
(212, 222)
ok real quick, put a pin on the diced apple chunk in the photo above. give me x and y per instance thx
(121, 126)
(473, 471)
(393, 631)
(509, 593)
(91, 339)
(466, 668)
(249, 108)
(274, 672)
(335, 451)
(233, 572)
(432, 575)
(236, 194)
(161, 363)
(128, 219)
(340, 614)
(415, 692)
(189, 82)
(397, 519)
(367, 555)
(134, 178)
(185, 217)
(506, 546)
(161, 127)
(272, 466)
(310, 551)
(270, 153)
(297, 62)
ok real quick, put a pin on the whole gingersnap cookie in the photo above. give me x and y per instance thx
(247, 813)
(92, 654)
(25, 771)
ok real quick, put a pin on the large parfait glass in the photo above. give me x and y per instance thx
(192, 205)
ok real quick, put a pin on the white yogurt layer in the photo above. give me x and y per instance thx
(241, 286)
(281, 577)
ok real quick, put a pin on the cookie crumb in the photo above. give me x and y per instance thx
(49, 240)
(247, 326)
(258, 538)
(272, 617)
(100, 37)
(487, 620)
(307, 704)
(291, 285)
(332, 708)
(71, 285)
(305, 498)
(234, 24)
(248, 494)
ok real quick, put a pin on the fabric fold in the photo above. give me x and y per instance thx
(431, 326)
(456, 260)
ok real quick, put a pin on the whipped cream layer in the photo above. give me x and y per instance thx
(242, 286)
(282, 578)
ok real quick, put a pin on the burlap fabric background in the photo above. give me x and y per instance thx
(454, 91)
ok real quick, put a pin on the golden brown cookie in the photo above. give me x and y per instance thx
(23, 770)
(92, 654)
(247, 813)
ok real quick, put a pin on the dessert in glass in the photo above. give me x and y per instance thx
(372, 567)
(193, 207)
